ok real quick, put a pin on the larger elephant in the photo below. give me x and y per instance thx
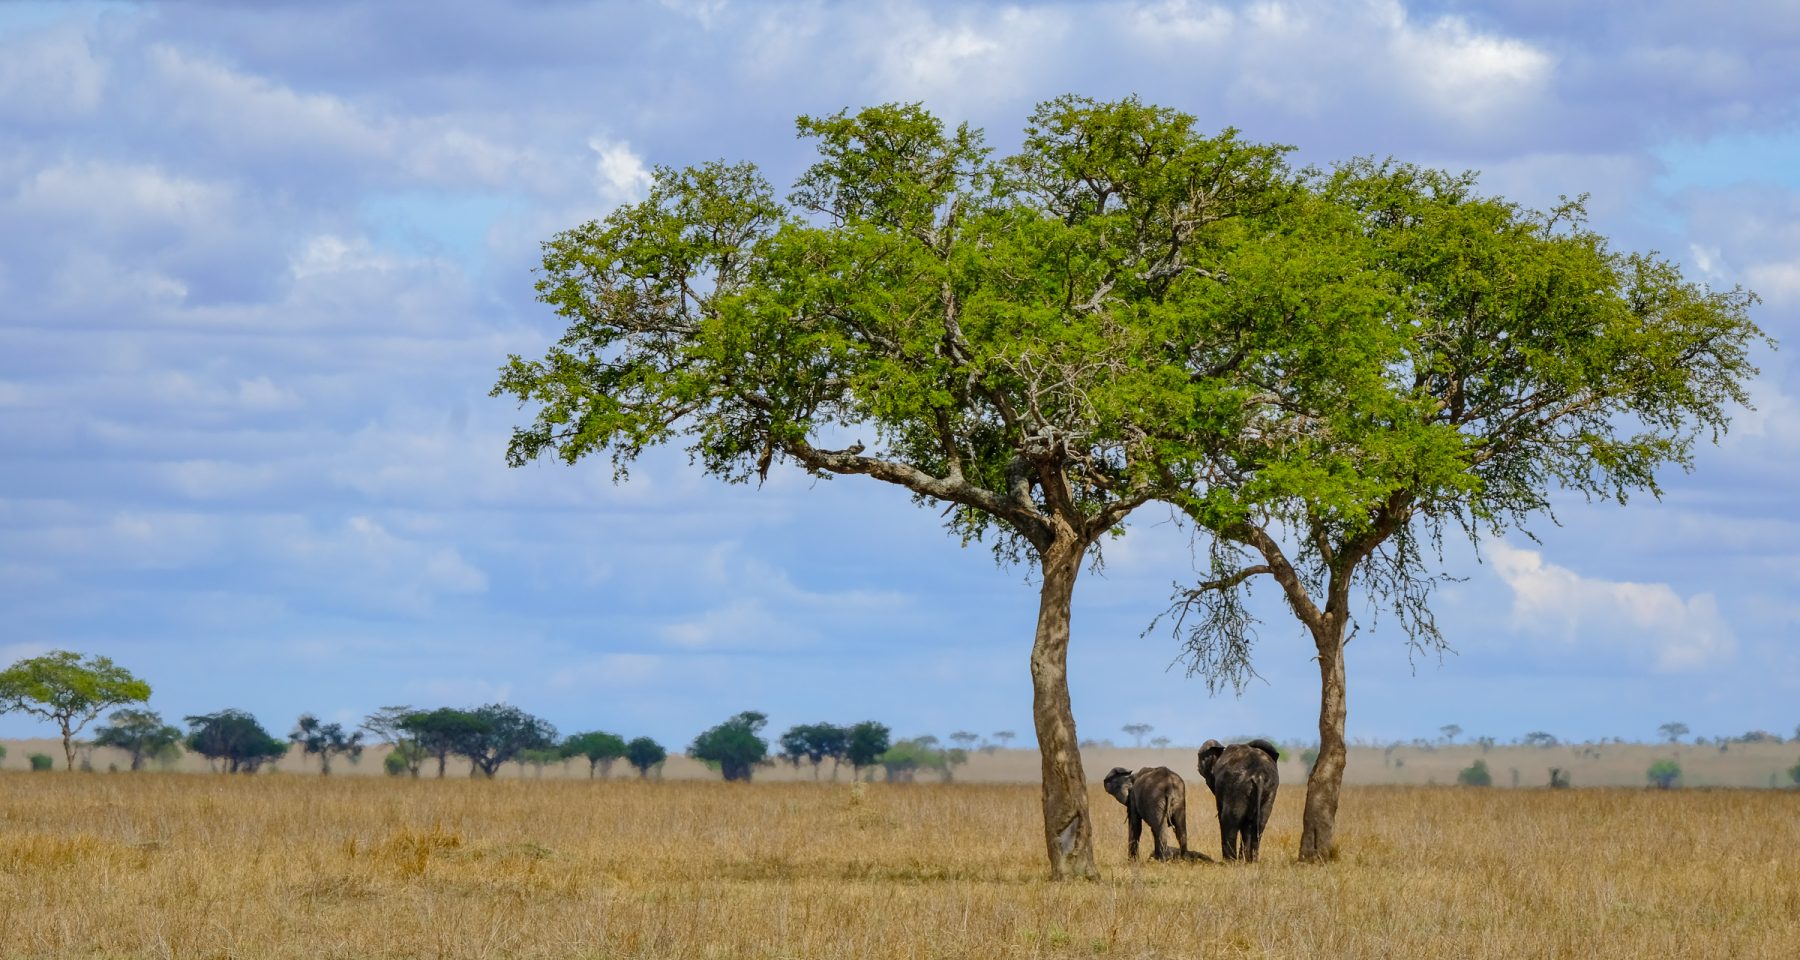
(1243, 780)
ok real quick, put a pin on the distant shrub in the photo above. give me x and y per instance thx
(1663, 774)
(1794, 774)
(1476, 775)
(42, 761)
(2, 754)
(1309, 756)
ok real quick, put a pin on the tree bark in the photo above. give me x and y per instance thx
(1068, 829)
(1319, 821)
(68, 747)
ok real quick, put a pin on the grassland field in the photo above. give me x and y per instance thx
(286, 866)
(1589, 765)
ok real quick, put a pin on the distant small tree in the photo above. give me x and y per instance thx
(388, 725)
(1485, 743)
(1308, 757)
(645, 754)
(965, 739)
(905, 758)
(234, 739)
(1450, 731)
(140, 733)
(540, 757)
(953, 758)
(1559, 779)
(813, 742)
(405, 757)
(502, 733)
(733, 746)
(41, 762)
(2, 754)
(1538, 738)
(69, 691)
(1674, 731)
(1794, 774)
(1005, 736)
(1663, 774)
(598, 748)
(1137, 731)
(325, 740)
(1160, 743)
(868, 741)
(1476, 775)
(442, 732)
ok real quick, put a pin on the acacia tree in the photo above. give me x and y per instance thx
(442, 732)
(866, 742)
(141, 734)
(65, 689)
(326, 740)
(645, 754)
(1024, 343)
(1445, 362)
(500, 733)
(598, 748)
(733, 745)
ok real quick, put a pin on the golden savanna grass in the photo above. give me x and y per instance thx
(193, 866)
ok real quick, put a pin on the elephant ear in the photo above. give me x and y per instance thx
(1209, 754)
(1265, 746)
(1118, 783)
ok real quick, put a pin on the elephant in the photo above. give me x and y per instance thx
(1156, 795)
(1243, 780)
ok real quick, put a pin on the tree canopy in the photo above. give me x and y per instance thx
(645, 754)
(140, 733)
(234, 738)
(502, 732)
(867, 742)
(325, 740)
(68, 690)
(733, 746)
(813, 742)
(599, 749)
(442, 732)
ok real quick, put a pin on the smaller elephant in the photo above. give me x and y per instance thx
(1158, 796)
(1243, 779)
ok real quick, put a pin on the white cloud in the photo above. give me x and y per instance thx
(610, 670)
(975, 56)
(1649, 619)
(619, 174)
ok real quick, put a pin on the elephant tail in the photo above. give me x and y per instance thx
(1253, 826)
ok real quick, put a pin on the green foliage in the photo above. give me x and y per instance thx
(234, 738)
(62, 687)
(1794, 774)
(41, 762)
(500, 733)
(813, 742)
(733, 746)
(867, 742)
(1475, 775)
(325, 740)
(2, 753)
(140, 733)
(405, 758)
(645, 754)
(600, 750)
(541, 757)
(442, 732)
(1663, 774)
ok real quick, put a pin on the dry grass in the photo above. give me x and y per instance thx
(289, 866)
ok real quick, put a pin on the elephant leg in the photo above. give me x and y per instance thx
(1136, 831)
(1156, 835)
(1228, 839)
(1180, 826)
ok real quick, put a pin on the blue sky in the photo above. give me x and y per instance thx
(261, 263)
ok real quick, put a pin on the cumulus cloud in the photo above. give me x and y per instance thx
(1648, 620)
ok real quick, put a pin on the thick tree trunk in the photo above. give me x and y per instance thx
(1068, 830)
(1319, 821)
